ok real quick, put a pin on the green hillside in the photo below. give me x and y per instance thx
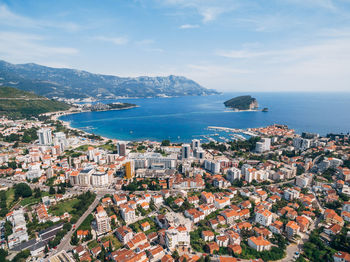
(242, 103)
(16, 103)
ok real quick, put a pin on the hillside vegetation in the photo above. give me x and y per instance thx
(242, 103)
(15, 103)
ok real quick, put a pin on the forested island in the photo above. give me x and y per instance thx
(242, 103)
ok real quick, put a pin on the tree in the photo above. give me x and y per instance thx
(37, 193)
(175, 255)
(22, 190)
(74, 240)
(52, 190)
(21, 256)
(110, 248)
(165, 142)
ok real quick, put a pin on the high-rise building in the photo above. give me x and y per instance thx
(60, 140)
(196, 143)
(263, 145)
(186, 151)
(99, 179)
(102, 221)
(121, 148)
(45, 136)
(129, 169)
(233, 174)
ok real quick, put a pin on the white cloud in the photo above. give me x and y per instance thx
(209, 10)
(326, 4)
(188, 26)
(9, 18)
(114, 40)
(19, 47)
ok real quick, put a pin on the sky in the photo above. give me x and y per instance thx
(227, 45)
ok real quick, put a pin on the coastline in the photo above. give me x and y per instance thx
(55, 116)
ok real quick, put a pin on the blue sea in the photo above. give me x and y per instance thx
(181, 119)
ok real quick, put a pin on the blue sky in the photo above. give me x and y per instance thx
(228, 45)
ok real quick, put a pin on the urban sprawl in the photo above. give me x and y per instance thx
(67, 195)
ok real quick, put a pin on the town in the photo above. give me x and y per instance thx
(67, 195)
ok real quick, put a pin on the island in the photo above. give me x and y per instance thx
(242, 103)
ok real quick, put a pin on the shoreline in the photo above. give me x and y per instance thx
(55, 116)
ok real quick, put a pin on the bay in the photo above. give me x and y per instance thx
(181, 119)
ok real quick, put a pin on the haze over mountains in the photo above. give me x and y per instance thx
(71, 83)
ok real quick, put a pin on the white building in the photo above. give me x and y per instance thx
(263, 217)
(175, 237)
(263, 145)
(196, 144)
(19, 228)
(45, 136)
(102, 221)
(301, 143)
(233, 174)
(99, 179)
(212, 166)
(60, 140)
(153, 160)
(186, 151)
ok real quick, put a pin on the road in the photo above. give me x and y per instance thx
(65, 242)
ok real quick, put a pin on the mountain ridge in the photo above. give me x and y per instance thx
(73, 83)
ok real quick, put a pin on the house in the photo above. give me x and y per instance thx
(124, 234)
(262, 231)
(179, 202)
(292, 229)
(167, 258)
(303, 223)
(332, 217)
(230, 216)
(194, 200)
(194, 214)
(345, 215)
(82, 233)
(341, 257)
(263, 217)
(155, 253)
(145, 226)
(211, 247)
(118, 200)
(222, 240)
(235, 238)
(333, 229)
(137, 240)
(259, 243)
(276, 227)
(208, 235)
(207, 197)
(235, 249)
(157, 199)
(127, 213)
(145, 205)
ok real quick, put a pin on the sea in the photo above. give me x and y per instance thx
(181, 119)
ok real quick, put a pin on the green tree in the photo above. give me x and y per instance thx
(22, 190)
(52, 190)
(165, 142)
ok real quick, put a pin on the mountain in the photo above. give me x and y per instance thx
(71, 83)
(15, 103)
(242, 103)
